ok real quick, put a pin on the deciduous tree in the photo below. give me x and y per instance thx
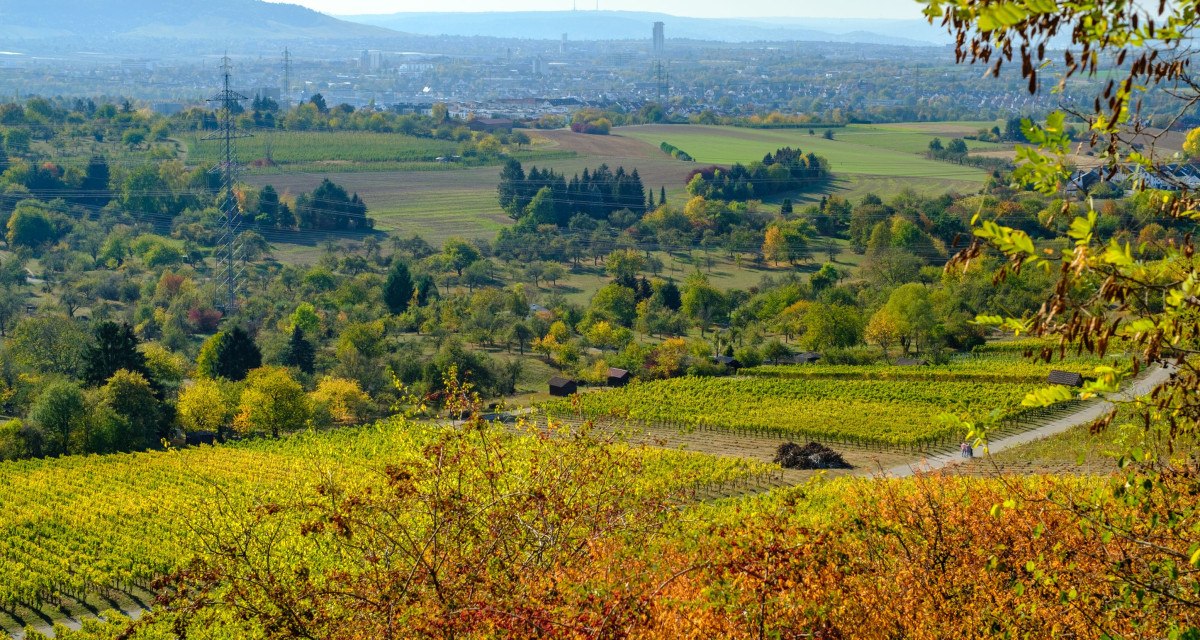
(272, 403)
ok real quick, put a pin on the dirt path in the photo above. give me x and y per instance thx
(1085, 415)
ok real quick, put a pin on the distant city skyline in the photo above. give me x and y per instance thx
(865, 9)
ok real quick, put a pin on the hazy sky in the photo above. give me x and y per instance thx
(696, 8)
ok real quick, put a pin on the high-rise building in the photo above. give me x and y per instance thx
(371, 61)
(659, 39)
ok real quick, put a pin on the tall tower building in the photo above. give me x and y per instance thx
(659, 40)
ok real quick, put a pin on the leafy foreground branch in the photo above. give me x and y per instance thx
(471, 543)
(569, 536)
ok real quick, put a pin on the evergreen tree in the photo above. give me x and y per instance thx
(286, 219)
(509, 190)
(300, 352)
(230, 355)
(662, 196)
(786, 207)
(95, 182)
(268, 207)
(426, 290)
(330, 207)
(398, 291)
(114, 348)
(668, 295)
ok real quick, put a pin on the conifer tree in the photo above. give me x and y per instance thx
(114, 348)
(398, 291)
(300, 352)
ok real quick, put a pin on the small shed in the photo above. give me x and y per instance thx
(806, 357)
(562, 387)
(490, 125)
(911, 362)
(197, 438)
(729, 361)
(1065, 378)
(617, 377)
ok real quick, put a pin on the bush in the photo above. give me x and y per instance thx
(811, 456)
(852, 355)
(13, 444)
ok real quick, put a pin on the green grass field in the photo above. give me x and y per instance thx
(865, 150)
(345, 152)
(407, 194)
(334, 147)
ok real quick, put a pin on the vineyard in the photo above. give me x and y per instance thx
(991, 369)
(889, 412)
(80, 525)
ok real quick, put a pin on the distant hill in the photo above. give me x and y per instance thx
(631, 25)
(214, 20)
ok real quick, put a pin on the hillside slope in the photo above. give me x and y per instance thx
(633, 25)
(179, 19)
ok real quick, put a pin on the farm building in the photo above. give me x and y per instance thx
(1065, 378)
(728, 361)
(617, 377)
(197, 438)
(805, 357)
(562, 387)
(490, 125)
(911, 362)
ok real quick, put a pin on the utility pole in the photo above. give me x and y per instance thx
(227, 133)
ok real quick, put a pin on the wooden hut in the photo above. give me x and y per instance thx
(197, 438)
(911, 362)
(617, 377)
(806, 357)
(1065, 378)
(729, 361)
(562, 387)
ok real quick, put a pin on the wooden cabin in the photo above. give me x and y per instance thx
(729, 361)
(197, 438)
(1065, 378)
(618, 377)
(562, 387)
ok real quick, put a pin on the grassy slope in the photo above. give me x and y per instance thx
(438, 202)
(856, 150)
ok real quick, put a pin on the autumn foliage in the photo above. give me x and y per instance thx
(476, 541)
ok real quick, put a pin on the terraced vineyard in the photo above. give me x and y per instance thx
(888, 412)
(78, 526)
(991, 369)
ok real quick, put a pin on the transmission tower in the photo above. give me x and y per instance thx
(227, 133)
(287, 73)
(660, 79)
